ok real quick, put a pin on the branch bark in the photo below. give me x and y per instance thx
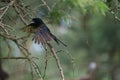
(57, 60)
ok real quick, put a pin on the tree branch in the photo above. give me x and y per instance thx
(13, 58)
(57, 60)
(7, 7)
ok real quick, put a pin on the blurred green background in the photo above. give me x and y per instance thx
(90, 28)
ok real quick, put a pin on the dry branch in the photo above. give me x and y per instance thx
(13, 58)
(57, 60)
(7, 7)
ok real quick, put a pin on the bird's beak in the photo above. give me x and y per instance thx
(30, 24)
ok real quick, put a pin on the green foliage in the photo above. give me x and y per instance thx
(92, 6)
(63, 8)
(56, 15)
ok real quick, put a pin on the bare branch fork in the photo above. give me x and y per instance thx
(24, 50)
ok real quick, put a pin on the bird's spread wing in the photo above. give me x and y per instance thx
(42, 35)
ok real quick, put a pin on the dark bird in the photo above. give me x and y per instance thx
(42, 34)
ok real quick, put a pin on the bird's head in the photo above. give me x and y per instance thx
(37, 21)
(32, 27)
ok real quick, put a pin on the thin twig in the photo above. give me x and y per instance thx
(7, 26)
(115, 16)
(26, 11)
(4, 29)
(13, 58)
(11, 19)
(7, 7)
(32, 75)
(46, 62)
(57, 60)
(36, 67)
(46, 5)
(18, 12)
(7, 36)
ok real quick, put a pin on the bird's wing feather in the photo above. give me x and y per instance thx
(42, 35)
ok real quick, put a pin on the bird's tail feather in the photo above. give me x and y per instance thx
(61, 42)
(58, 41)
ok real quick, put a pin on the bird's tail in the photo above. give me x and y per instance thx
(58, 41)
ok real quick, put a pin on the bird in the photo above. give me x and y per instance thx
(42, 33)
